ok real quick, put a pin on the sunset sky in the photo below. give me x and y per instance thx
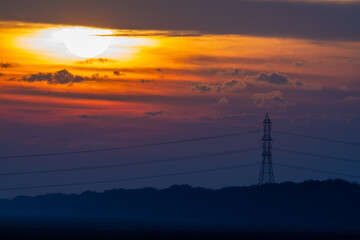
(78, 75)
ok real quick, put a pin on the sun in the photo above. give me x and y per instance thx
(84, 42)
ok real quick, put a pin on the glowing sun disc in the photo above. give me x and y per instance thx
(84, 42)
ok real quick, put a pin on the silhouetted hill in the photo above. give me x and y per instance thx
(311, 205)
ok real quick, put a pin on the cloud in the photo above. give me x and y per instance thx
(226, 86)
(354, 61)
(202, 88)
(323, 21)
(309, 63)
(299, 84)
(231, 85)
(352, 99)
(117, 73)
(59, 77)
(282, 80)
(209, 59)
(273, 78)
(298, 63)
(97, 60)
(193, 83)
(159, 113)
(147, 81)
(270, 99)
(85, 116)
(152, 33)
(7, 65)
(230, 72)
(1, 74)
(223, 101)
(93, 117)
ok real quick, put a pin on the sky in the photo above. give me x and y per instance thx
(79, 75)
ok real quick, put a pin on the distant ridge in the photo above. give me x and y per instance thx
(311, 205)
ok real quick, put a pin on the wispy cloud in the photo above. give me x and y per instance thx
(152, 33)
(97, 60)
(269, 99)
(352, 99)
(158, 113)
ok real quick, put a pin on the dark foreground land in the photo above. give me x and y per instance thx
(309, 210)
(54, 234)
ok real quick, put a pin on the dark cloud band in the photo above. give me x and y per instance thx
(59, 77)
(308, 20)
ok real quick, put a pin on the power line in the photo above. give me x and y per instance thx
(130, 146)
(316, 170)
(130, 164)
(317, 155)
(133, 178)
(319, 138)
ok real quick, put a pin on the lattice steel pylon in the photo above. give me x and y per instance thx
(266, 171)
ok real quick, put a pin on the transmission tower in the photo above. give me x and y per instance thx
(266, 171)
